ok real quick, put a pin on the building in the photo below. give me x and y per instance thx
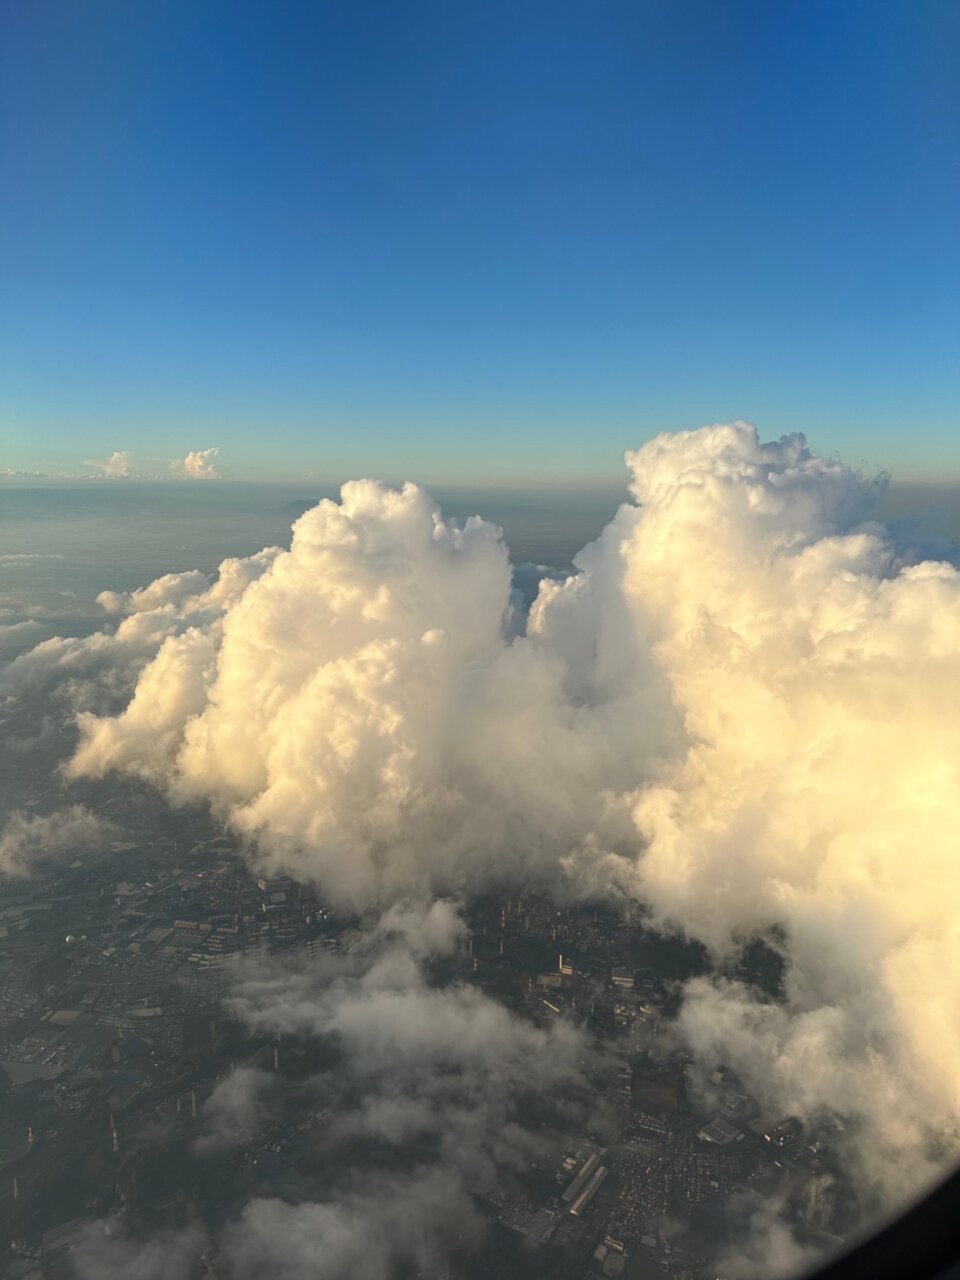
(591, 1188)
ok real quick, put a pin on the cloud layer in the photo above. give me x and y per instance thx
(739, 710)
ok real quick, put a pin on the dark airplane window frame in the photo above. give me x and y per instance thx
(922, 1244)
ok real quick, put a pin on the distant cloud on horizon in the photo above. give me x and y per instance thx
(119, 463)
(124, 464)
(199, 464)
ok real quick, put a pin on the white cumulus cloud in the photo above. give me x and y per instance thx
(199, 464)
(118, 464)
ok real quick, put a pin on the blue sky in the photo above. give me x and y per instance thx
(476, 241)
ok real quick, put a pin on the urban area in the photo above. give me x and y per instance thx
(114, 1032)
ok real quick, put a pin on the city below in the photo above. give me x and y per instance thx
(117, 1028)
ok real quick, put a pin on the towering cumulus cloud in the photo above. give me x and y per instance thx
(817, 675)
(740, 710)
(361, 711)
(325, 718)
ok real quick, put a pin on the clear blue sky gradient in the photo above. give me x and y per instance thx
(495, 241)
